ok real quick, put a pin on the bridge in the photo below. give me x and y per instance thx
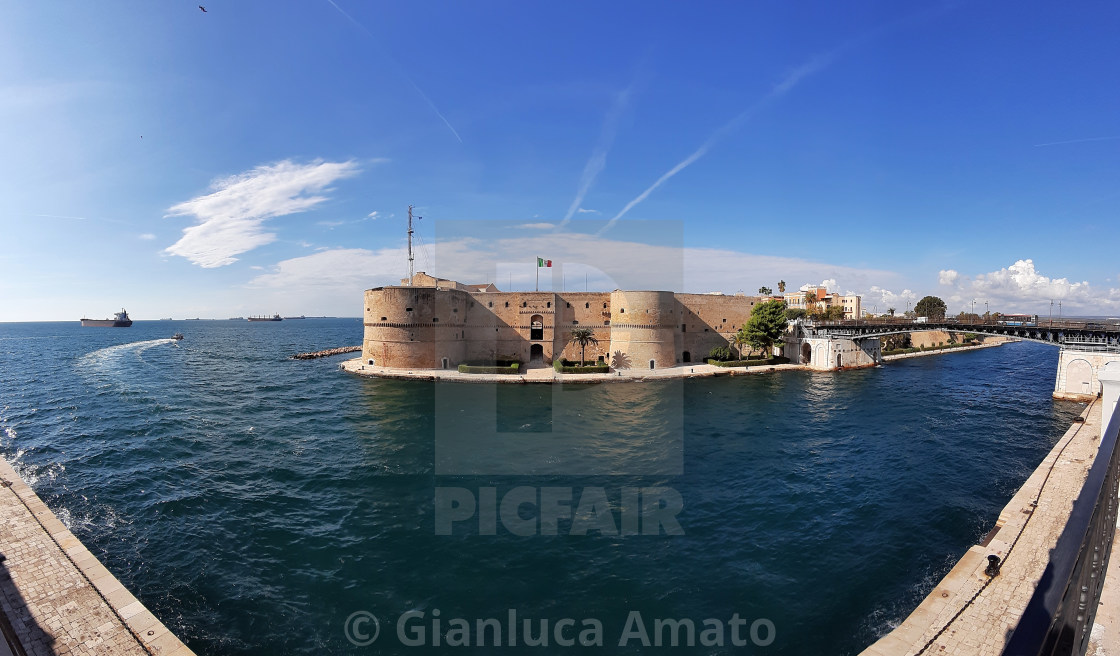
(1086, 347)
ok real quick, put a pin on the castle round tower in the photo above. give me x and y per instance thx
(399, 331)
(643, 326)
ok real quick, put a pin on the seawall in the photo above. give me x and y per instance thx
(56, 597)
(968, 612)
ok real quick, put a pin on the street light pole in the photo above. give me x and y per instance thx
(985, 312)
(973, 308)
(1051, 313)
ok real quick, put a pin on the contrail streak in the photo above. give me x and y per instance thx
(399, 70)
(1073, 141)
(598, 158)
(780, 89)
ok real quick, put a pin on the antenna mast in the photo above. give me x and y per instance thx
(411, 271)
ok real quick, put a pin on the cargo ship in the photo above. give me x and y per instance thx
(119, 320)
(275, 317)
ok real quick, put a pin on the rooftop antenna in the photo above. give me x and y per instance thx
(411, 257)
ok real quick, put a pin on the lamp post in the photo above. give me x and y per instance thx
(1051, 313)
(985, 312)
(1059, 311)
(973, 308)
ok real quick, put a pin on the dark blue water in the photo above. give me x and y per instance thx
(254, 502)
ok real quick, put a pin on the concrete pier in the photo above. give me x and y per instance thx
(56, 598)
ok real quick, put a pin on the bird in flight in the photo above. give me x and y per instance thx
(203, 9)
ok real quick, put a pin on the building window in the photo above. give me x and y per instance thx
(490, 304)
(652, 363)
(384, 318)
(604, 306)
(408, 309)
(455, 310)
(569, 305)
(587, 306)
(507, 303)
(684, 327)
(607, 322)
(524, 303)
(435, 319)
(574, 322)
(548, 304)
(622, 311)
(536, 327)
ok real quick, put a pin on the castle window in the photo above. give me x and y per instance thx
(587, 306)
(435, 319)
(622, 311)
(507, 303)
(604, 306)
(455, 310)
(684, 327)
(524, 303)
(569, 305)
(408, 309)
(384, 318)
(490, 304)
(607, 322)
(548, 304)
(574, 322)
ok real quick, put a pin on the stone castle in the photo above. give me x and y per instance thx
(433, 323)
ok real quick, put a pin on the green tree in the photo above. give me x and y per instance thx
(583, 337)
(781, 286)
(765, 291)
(766, 325)
(931, 307)
(795, 313)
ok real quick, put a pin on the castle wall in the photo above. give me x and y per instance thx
(583, 310)
(711, 320)
(417, 327)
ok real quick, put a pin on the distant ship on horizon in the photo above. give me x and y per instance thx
(275, 317)
(119, 320)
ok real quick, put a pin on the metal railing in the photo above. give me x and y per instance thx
(1059, 617)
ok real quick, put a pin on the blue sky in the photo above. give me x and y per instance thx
(261, 156)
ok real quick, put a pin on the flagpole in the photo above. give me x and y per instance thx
(538, 263)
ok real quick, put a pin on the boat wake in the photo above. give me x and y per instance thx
(116, 352)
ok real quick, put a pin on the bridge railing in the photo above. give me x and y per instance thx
(1059, 617)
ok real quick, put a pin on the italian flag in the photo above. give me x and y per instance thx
(543, 263)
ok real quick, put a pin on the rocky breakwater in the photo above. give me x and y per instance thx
(326, 353)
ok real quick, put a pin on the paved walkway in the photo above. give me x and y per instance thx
(546, 374)
(56, 596)
(984, 625)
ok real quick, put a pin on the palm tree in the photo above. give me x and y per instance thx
(583, 337)
(739, 339)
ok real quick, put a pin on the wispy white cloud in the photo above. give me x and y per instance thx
(1075, 141)
(372, 215)
(783, 87)
(231, 218)
(345, 270)
(399, 70)
(537, 226)
(584, 210)
(1020, 287)
(147, 236)
(598, 160)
